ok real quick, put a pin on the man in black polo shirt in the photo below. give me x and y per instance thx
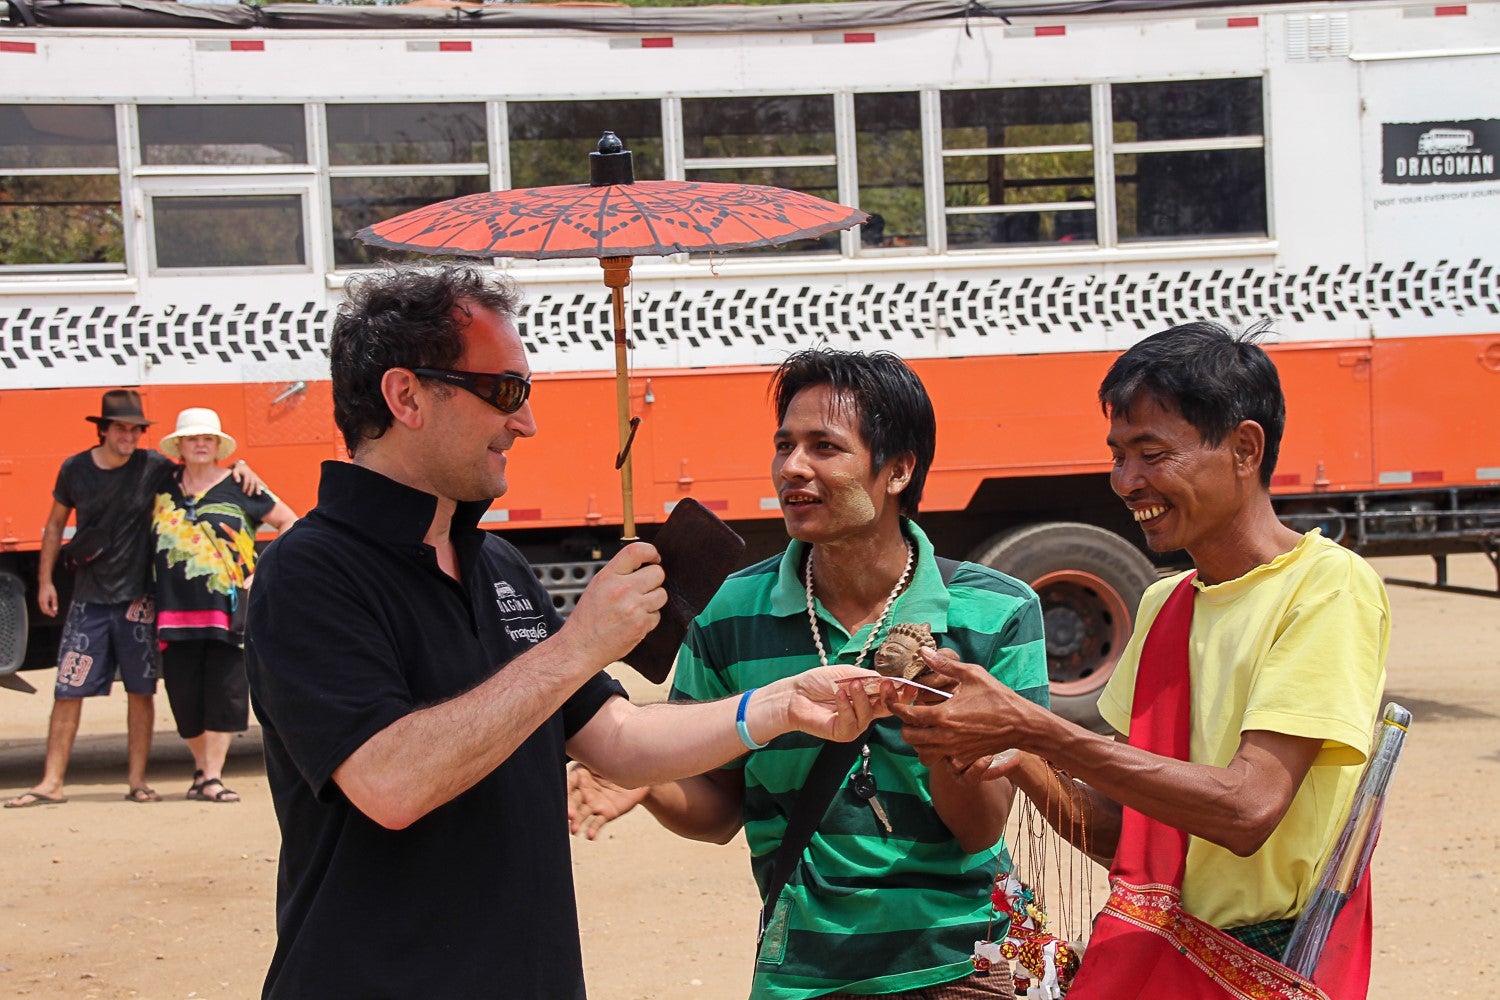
(418, 694)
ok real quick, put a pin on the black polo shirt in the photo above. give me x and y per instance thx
(353, 626)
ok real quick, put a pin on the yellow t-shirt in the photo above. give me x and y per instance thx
(1296, 646)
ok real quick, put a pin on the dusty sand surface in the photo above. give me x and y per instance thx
(106, 899)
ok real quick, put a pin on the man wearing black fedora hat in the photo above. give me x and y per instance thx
(111, 621)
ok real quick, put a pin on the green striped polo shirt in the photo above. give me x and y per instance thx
(866, 911)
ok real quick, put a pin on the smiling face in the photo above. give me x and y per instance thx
(1184, 493)
(465, 438)
(121, 439)
(822, 471)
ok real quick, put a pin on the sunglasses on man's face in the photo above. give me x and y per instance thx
(502, 390)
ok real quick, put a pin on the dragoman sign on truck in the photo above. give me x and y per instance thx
(179, 185)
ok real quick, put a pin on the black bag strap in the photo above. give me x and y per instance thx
(813, 800)
(816, 795)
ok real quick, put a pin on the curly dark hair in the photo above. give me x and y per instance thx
(895, 412)
(402, 317)
(1210, 375)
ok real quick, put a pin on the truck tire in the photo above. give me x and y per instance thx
(13, 622)
(1090, 583)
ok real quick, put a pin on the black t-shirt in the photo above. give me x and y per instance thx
(120, 499)
(352, 626)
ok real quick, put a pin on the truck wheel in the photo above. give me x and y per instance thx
(13, 623)
(1090, 583)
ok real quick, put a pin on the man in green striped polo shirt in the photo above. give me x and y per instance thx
(892, 890)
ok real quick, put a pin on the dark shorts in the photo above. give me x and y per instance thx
(98, 640)
(206, 686)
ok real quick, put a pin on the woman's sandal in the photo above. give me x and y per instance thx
(223, 794)
(142, 793)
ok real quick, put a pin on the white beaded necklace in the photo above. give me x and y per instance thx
(890, 602)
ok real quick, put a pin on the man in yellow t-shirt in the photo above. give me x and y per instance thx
(1295, 646)
(1286, 652)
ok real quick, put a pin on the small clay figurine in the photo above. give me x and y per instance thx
(898, 655)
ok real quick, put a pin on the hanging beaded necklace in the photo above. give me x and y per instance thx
(890, 602)
(862, 782)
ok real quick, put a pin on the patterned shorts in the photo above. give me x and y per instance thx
(99, 639)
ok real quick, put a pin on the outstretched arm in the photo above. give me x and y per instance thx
(1236, 807)
(430, 756)
(635, 746)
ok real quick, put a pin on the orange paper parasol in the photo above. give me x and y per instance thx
(614, 218)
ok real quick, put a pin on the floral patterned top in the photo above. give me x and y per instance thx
(205, 551)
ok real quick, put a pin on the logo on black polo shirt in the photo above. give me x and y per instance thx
(520, 619)
(536, 633)
(508, 601)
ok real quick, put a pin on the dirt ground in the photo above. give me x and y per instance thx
(106, 899)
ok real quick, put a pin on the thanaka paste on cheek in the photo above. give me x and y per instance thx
(853, 499)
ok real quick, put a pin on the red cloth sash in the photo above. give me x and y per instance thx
(1143, 943)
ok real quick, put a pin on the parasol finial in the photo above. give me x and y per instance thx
(611, 164)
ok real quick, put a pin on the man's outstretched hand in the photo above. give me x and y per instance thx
(594, 801)
(836, 703)
(980, 721)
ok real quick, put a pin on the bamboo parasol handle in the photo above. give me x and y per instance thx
(617, 278)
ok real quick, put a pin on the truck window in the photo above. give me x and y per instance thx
(888, 154)
(385, 159)
(1189, 159)
(547, 137)
(60, 188)
(222, 134)
(229, 231)
(785, 141)
(1018, 166)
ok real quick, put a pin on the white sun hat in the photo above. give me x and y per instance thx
(193, 421)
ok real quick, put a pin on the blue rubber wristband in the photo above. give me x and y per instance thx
(739, 722)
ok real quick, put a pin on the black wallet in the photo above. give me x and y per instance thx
(697, 552)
